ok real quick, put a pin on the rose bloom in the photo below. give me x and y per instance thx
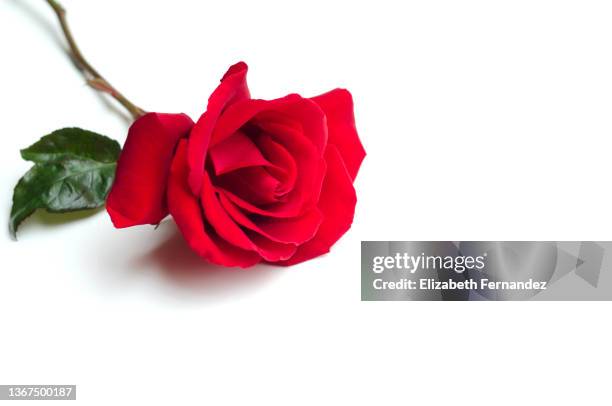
(253, 180)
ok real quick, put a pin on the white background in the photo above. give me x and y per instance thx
(482, 120)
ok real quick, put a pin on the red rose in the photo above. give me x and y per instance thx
(253, 180)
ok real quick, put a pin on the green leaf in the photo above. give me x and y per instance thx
(72, 143)
(74, 170)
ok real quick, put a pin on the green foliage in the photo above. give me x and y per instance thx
(74, 170)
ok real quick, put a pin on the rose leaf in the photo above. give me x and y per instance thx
(74, 170)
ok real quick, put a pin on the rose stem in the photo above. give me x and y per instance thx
(94, 79)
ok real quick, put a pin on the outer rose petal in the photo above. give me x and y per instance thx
(337, 203)
(232, 89)
(139, 192)
(338, 107)
(187, 213)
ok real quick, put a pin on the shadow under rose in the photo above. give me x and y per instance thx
(42, 219)
(186, 270)
(46, 218)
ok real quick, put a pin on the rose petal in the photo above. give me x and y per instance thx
(298, 124)
(233, 88)
(312, 119)
(225, 227)
(296, 230)
(293, 107)
(338, 108)
(187, 213)
(310, 167)
(285, 167)
(310, 163)
(254, 184)
(291, 208)
(271, 251)
(229, 230)
(218, 218)
(337, 204)
(237, 151)
(237, 115)
(139, 191)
